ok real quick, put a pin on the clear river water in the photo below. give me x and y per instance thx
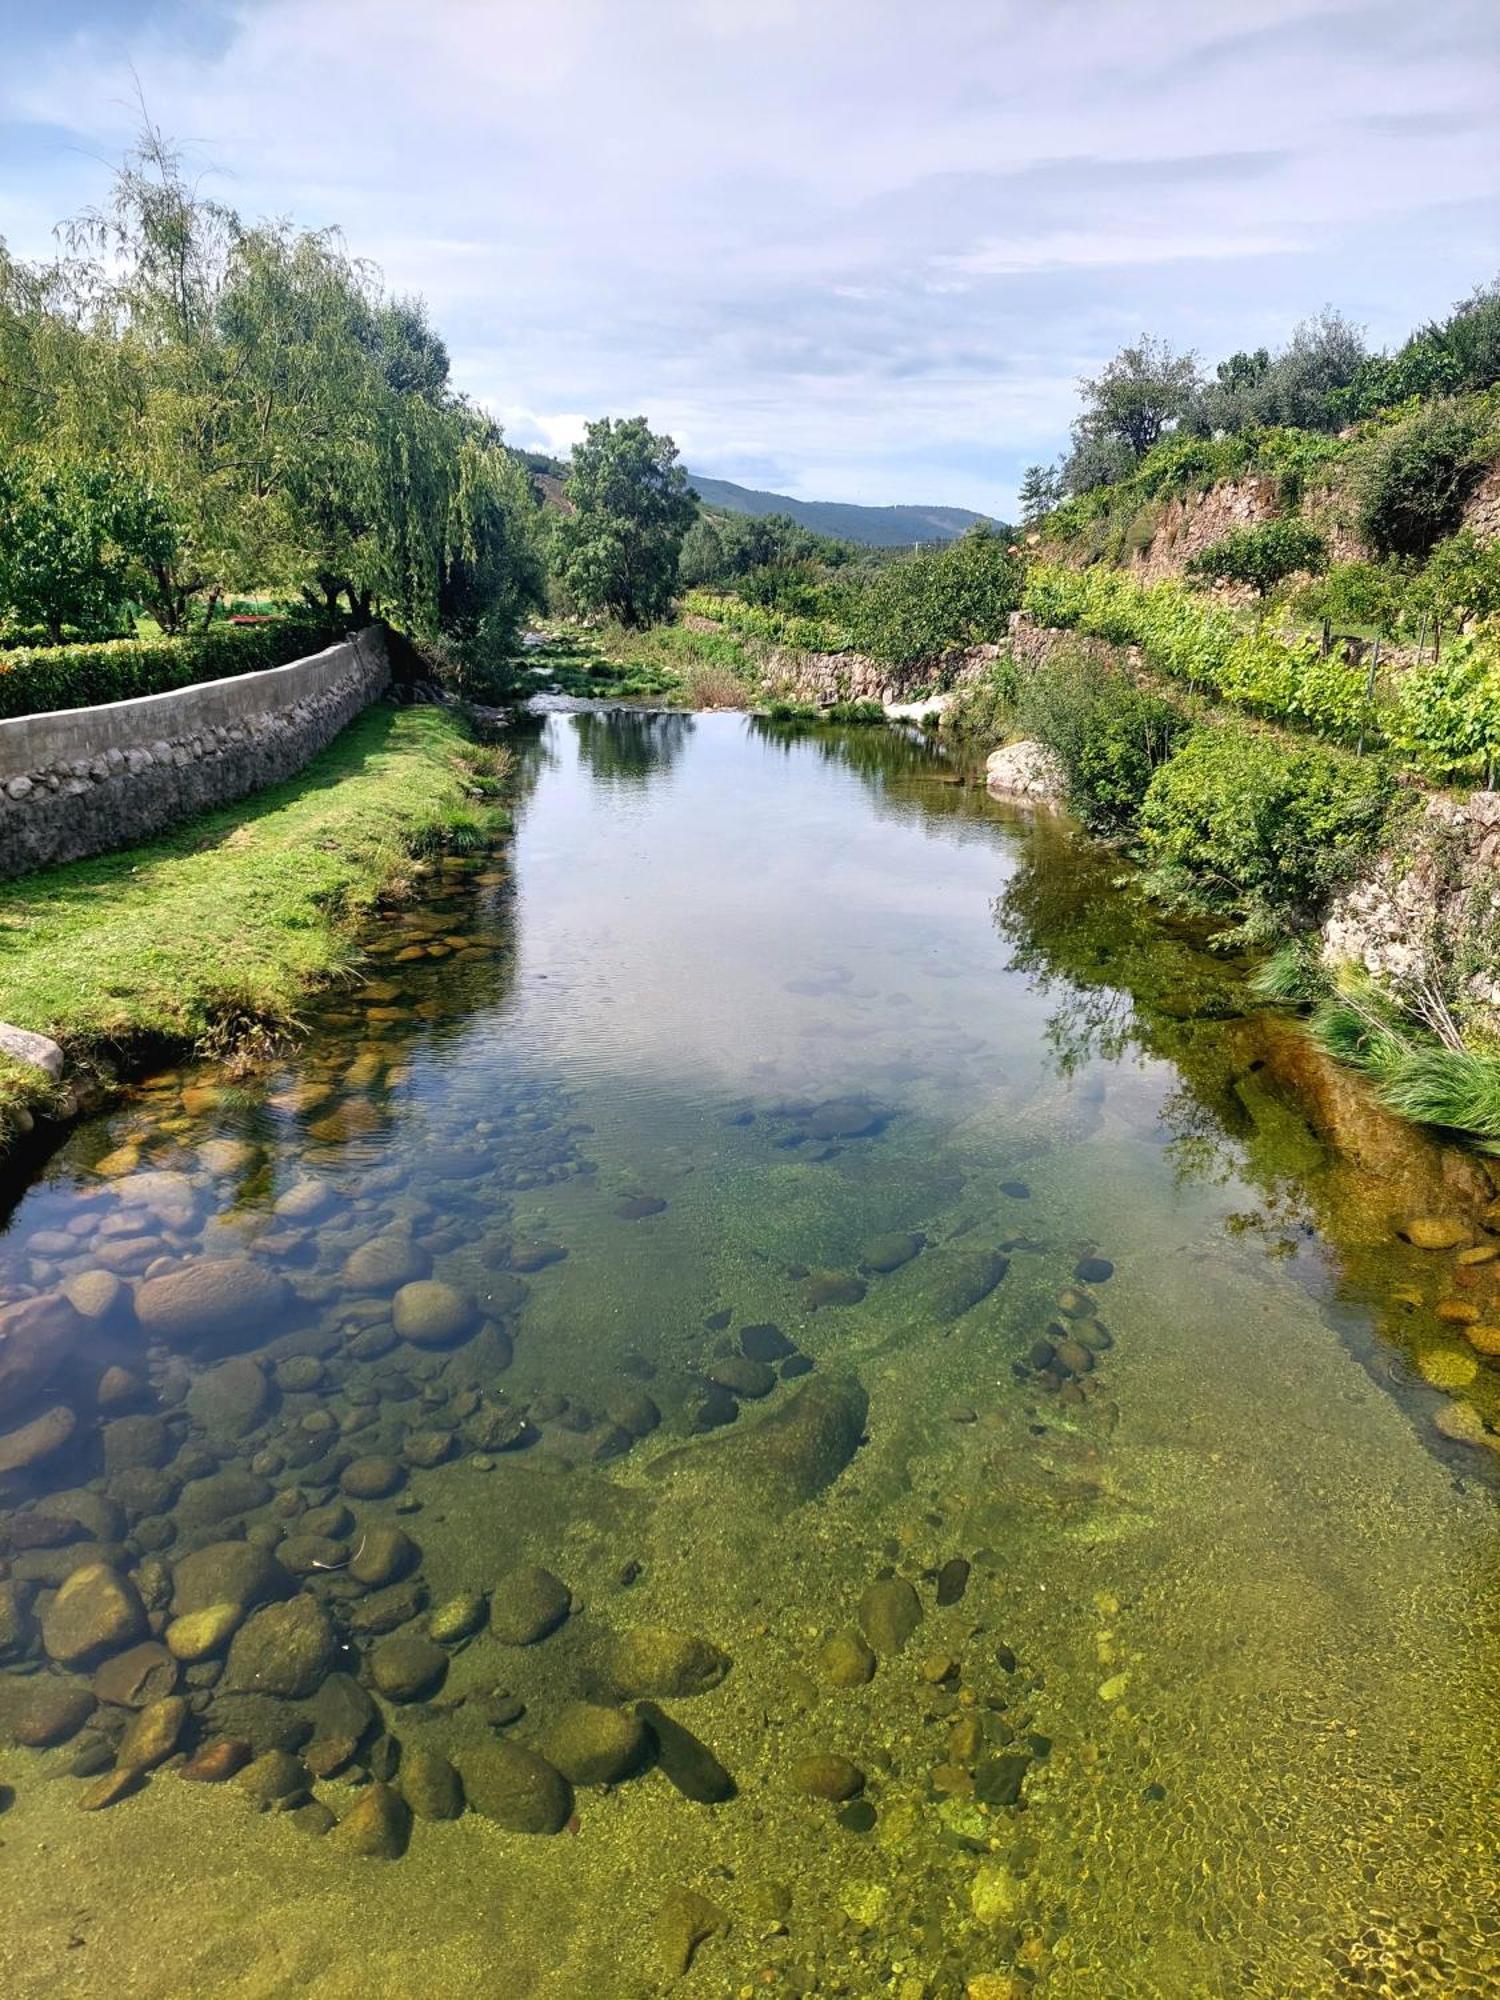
(792, 1296)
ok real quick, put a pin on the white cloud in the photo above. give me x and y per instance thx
(839, 236)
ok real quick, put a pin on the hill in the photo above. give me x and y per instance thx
(877, 527)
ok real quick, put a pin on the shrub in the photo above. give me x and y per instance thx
(1416, 476)
(1109, 735)
(927, 605)
(1447, 713)
(120, 669)
(1240, 823)
(1264, 555)
(981, 714)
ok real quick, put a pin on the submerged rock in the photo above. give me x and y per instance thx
(889, 1253)
(658, 1660)
(516, 1788)
(38, 1440)
(408, 1667)
(527, 1604)
(152, 1735)
(231, 1399)
(429, 1313)
(889, 1612)
(430, 1785)
(227, 1573)
(213, 1302)
(593, 1745)
(954, 1281)
(95, 1611)
(51, 1711)
(846, 1661)
(685, 1760)
(825, 1775)
(286, 1649)
(377, 1826)
(790, 1455)
(685, 1921)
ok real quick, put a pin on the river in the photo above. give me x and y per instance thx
(834, 1200)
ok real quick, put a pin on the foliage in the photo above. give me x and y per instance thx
(1041, 489)
(1415, 477)
(69, 539)
(1447, 713)
(1357, 594)
(939, 601)
(981, 714)
(1263, 555)
(280, 420)
(1135, 398)
(52, 677)
(1109, 735)
(1240, 823)
(1299, 388)
(806, 634)
(1461, 579)
(617, 551)
(722, 548)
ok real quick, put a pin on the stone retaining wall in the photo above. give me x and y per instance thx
(828, 677)
(81, 781)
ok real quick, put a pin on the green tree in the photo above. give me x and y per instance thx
(618, 550)
(1263, 556)
(1416, 476)
(63, 565)
(1040, 491)
(1139, 395)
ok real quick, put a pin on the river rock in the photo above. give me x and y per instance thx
(377, 1826)
(51, 1711)
(213, 1302)
(38, 1440)
(384, 1553)
(633, 1410)
(792, 1454)
(203, 1503)
(216, 1762)
(825, 1775)
(845, 1118)
(231, 1399)
(954, 1281)
(1434, 1232)
(764, 1342)
(272, 1777)
(527, 1604)
(742, 1376)
(431, 1314)
(385, 1263)
(372, 1478)
(516, 1788)
(95, 1295)
(24, 1045)
(17, 1620)
(305, 1200)
(341, 1707)
(593, 1745)
(227, 1573)
(685, 1921)
(888, 1253)
(845, 1661)
(137, 1677)
(889, 1612)
(152, 1735)
(458, 1618)
(39, 1338)
(658, 1660)
(285, 1649)
(96, 1611)
(384, 1610)
(408, 1667)
(684, 1759)
(199, 1635)
(113, 1786)
(430, 1785)
(134, 1444)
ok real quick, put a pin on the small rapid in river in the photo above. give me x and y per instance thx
(796, 1338)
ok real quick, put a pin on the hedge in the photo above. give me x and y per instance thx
(35, 681)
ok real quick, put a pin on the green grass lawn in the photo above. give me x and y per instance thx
(223, 924)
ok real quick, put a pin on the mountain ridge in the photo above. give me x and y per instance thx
(876, 527)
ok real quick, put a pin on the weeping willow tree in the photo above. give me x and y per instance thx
(283, 423)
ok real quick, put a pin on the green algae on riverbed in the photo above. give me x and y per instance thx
(1195, 1699)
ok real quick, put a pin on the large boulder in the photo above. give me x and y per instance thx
(96, 1611)
(784, 1458)
(1026, 770)
(213, 1302)
(286, 1649)
(431, 1314)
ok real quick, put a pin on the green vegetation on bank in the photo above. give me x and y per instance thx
(194, 407)
(53, 677)
(217, 930)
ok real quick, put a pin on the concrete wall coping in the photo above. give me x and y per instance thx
(30, 743)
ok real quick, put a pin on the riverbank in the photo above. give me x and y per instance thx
(216, 932)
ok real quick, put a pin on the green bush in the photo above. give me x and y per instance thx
(1237, 822)
(1263, 555)
(1109, 735)
(1415, 477)
(981, 714)
(1447, 713)
(120, 669)
(930, 604)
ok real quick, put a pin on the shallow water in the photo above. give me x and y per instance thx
(1213, 1712)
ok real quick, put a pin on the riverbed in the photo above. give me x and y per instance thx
(989, 1443)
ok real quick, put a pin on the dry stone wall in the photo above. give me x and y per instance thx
(82, 781)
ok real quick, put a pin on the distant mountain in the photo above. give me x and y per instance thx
(877, 527)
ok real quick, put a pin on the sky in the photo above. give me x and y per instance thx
(846, 249)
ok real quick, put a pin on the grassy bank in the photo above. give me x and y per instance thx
(216, 930)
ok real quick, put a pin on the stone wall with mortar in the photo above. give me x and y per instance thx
(81, 781)
(822, 678)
